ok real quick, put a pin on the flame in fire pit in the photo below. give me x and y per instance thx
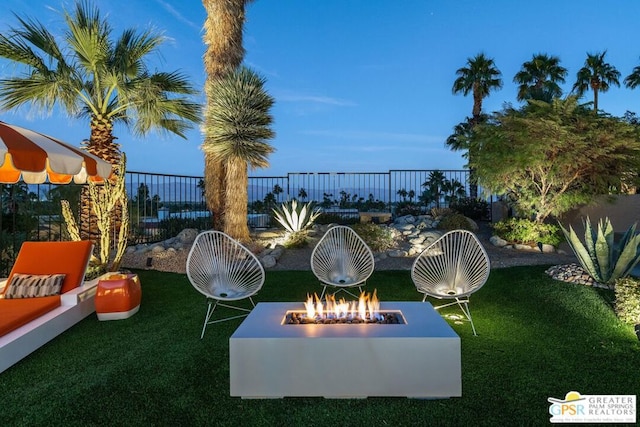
(367, 307)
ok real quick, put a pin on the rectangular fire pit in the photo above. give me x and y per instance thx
(419, 359)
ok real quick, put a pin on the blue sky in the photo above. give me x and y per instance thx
(360, 85)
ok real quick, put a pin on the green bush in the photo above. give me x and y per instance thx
(628, 300)
(297, 239)
(520, 230)
(377, 237)
(477, 209)
(407, 208)
(455, 221)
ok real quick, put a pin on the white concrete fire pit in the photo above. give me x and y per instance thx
(271, 359)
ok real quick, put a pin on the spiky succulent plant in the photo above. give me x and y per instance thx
(600, 255)
(293, 219)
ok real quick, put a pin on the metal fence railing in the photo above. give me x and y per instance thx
(161, 205)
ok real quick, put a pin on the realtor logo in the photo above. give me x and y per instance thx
(577, 408)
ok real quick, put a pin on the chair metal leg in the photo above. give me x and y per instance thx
(324, 291)
(217, 303)
(464, 306)
(208, 316)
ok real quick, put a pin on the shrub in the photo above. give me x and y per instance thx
(605, 260)
(297, 239)
(471, 208)
(628, 300)
(407, 208)
(171, 227)
(520, 230)
(455, 221)
(377, 237)
(440, 212)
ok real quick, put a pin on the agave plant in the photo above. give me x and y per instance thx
(603, 258)
(295, 220)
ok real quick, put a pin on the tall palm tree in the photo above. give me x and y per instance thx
(223, 37)
(95, 77)
(596, 75)
(479, 77)
(238, 128)
(539, 78)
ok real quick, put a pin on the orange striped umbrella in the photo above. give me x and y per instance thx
(36, 157)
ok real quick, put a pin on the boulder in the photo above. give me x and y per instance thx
(188, 235)
(268, 261)
(397, 253)
(498, 241)
(548, 249)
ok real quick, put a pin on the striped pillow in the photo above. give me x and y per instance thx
(32, 285)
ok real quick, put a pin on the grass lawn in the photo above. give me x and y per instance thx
(538, 338)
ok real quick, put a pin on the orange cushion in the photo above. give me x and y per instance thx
(69, 258)
(17, 312)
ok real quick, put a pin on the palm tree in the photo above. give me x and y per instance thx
(539, 78)
(238, 129)
(95, 77)
(453, 191)
(223, 38)
(596, 75)
(479, 77)
(434, 185)
(632, 81)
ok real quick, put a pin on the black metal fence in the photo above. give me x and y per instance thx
(161, 205)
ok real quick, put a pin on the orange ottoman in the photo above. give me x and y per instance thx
(118, 297)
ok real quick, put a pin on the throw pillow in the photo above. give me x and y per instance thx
(32, 285)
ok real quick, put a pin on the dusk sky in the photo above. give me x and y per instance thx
(360, 85)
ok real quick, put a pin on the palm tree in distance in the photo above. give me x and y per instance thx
(632, 81)
(479, 77)
(539, 78)
(98, 78)
(223, 37)
(238, 129)
(596, 75)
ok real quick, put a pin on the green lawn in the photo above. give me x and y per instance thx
(538, 338)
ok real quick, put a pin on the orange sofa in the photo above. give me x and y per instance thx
(28, 323)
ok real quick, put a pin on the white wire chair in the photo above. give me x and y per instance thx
(342, 260)
(223, 270)
(453, 267)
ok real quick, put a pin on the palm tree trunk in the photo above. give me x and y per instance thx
(236, 200)
(101, 144)
(477, 106)
(223, 37)
(214, 178)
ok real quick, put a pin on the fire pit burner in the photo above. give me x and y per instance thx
(364, 311)
(301, 318)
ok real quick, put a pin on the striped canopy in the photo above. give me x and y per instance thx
(36, 157)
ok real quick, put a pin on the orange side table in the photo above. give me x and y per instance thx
(118, 296)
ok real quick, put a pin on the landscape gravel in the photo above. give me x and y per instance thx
(174, 260)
